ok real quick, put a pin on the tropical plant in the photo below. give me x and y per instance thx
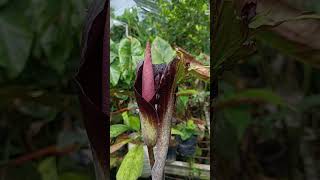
(185, 130)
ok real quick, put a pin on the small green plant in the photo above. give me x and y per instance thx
(185, 130)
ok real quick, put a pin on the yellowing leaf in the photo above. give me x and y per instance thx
(132, 164)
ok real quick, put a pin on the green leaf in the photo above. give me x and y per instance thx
(185, 130)
(182, 102)
(130, 52)
(176, 132)
(47, 169)
(132, 121)
(114, 73)
(132, 164)
(117, 129)
(15, 37)
(191, 125)
(161, 51)
(125, 118)
(186, 92)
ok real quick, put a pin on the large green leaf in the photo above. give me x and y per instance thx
(117, 129)
(15, 37)
(161, 51)
(132, 164)
(130, 52)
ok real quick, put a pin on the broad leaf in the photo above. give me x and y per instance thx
(132, 164)
(132, 121)
(161, 51)
(117, 129)
(130, 52)
(15, 37)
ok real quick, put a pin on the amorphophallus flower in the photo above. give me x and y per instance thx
(155, 87)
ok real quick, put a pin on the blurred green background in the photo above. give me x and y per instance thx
(40, 118)
(266, 115)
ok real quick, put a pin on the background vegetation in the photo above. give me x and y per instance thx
(266, 111)
(40, 118)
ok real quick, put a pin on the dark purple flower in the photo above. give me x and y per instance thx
(156, 104)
